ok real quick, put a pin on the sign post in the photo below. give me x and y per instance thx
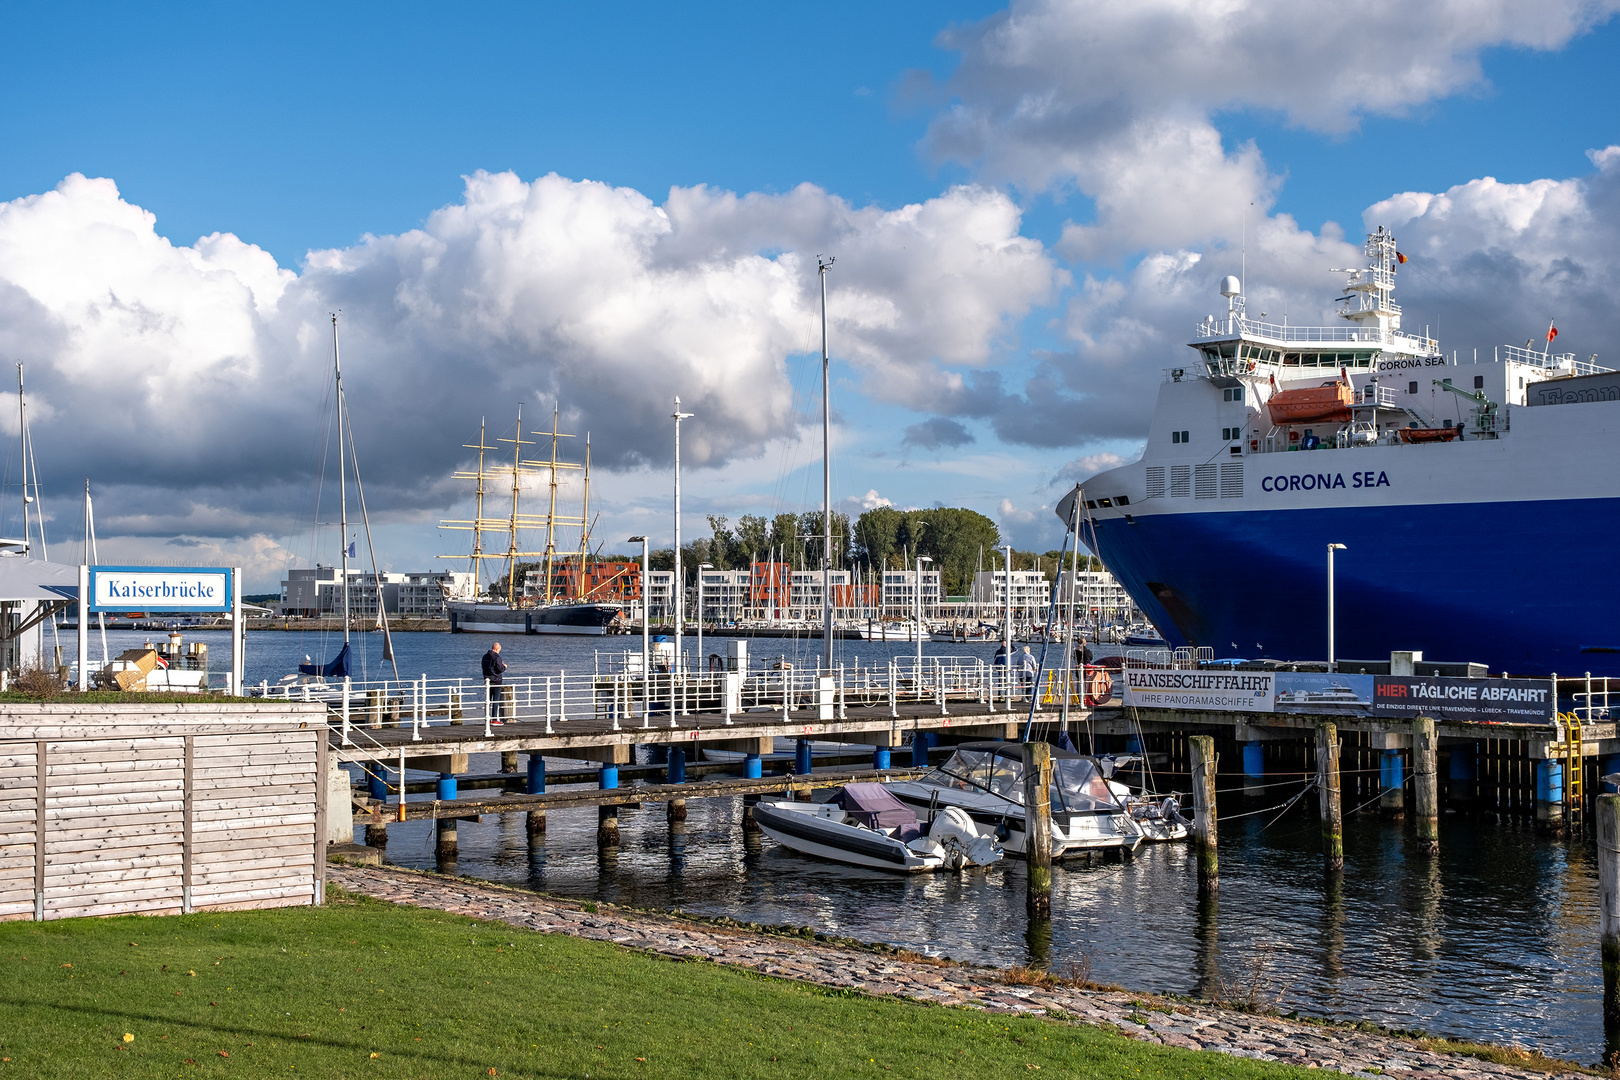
(171, 589)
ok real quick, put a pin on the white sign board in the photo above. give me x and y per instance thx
(1235, 691)
(162, 589)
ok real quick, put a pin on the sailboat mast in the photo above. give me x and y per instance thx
(826, 481)
(22, 450)
(343, 482)
(551, 515)
(585, 520)
(476, 560)
(512, 526)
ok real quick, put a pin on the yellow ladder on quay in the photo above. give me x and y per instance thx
(1574, 772)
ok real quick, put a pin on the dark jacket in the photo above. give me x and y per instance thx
(493, 666)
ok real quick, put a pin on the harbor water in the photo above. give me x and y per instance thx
(1496, 940)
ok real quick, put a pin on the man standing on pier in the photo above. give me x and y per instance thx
(494, 666)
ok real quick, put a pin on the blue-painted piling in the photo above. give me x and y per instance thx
(1463, 771)
(752, 770)
(802, 763)
(1133, 745)
(607, 777)
(881, 758)
(919, 750)
(447, 786)
(675, 772)
(1550, 793)
(377, 784)
(535, 823)
(1254, 758)
(1392, 782)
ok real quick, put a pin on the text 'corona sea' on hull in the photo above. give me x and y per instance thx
(1475, 499)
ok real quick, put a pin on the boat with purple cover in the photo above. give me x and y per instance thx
(865, 825)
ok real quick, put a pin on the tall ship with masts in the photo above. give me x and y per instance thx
(566, 599)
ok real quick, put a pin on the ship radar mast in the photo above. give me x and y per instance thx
(1367, 292)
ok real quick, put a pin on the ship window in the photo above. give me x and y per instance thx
(1123, 500)
(1181, 436)
(1479, 382)
(1521, 382)
(1446, 424)
(1234, 393)
(1411, 387)
(1091, 504)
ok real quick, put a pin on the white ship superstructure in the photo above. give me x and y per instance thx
(1477, 497)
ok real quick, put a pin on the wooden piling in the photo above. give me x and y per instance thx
(607, 828)
(374, 707)
(675, 810)
(535, 823)
(376, 836)
(509, 761)
(455, 707)
(1330, 795)
(1202, 750)
(1608, 845)
(444, 846)
(1038, 828)
(1426, 785)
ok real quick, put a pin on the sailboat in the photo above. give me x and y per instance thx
(341, 666)
(568, 599)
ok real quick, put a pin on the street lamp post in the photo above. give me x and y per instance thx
(1331, 548)
(646, 617)
(701, 567)
(920, 560)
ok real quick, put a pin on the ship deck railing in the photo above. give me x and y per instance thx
(1550, 360)
(1238, 326)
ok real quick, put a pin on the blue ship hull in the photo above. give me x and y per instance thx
(1530, 588)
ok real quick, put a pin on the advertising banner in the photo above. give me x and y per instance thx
(1318, 692)
(160, 588)
(1491, 701)
(1237, 691)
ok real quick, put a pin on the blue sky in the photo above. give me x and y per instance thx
(303, 127)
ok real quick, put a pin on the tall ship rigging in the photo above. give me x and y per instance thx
(568, 598)
(1477, 498)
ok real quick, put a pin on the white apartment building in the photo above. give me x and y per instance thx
(659, 595)
(805, 595)
(1030, 593)
(1097, 595)
(725, 595)
(410, 595)
(900, 593)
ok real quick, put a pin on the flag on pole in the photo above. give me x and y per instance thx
(352, 543)
(1399, 257)
(1552, 332)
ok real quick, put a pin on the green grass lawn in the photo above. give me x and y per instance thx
(365, 989)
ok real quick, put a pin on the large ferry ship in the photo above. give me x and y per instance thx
(1478, 498)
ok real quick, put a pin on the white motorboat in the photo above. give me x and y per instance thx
(986, 780)
(865, 825)
(1159, 816)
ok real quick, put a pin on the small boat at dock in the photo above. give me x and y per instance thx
(865, 825)
(986, 780)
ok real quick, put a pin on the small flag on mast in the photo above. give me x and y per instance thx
(352, 543)
(1399, 257)
(1552, 332)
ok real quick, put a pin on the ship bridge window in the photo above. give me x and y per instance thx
(1261, 353)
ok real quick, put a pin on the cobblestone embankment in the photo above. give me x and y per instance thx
(1169, 1022)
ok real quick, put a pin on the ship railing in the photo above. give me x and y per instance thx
(1382, 396)
(1238, 326)
(1549, 360)
(649, 698)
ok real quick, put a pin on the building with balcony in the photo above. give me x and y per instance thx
(319, 591)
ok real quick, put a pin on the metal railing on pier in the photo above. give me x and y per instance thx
(616, 689)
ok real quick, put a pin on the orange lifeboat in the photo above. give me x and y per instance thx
(1328, 403)
(1433, 434)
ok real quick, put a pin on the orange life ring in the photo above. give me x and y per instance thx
(1099, 688)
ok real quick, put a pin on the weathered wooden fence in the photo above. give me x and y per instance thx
(160, 809)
